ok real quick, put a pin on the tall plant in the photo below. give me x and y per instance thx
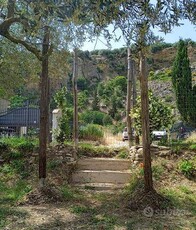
(182, 83)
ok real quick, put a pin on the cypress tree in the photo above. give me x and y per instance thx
(182, 83)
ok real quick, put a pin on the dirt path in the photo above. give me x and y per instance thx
(93, 211)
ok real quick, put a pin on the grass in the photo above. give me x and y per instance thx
(95, 210)
(182, 198)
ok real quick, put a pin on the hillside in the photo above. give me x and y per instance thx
(104, 64)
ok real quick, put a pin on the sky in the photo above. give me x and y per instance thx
(187, 30)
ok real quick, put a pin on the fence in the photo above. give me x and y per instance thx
(19, 121)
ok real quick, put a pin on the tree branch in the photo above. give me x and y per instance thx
(4, 31)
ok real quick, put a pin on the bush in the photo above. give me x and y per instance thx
(21, 144)
(91, 132)
(192, 147)
(107, 120)
(187, 168)
(4, 147)
(96, 117)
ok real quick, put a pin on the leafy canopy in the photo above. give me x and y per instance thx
(160, 115)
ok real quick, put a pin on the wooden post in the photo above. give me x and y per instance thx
(44, 109)
(145, 124)
(75, 97)
(129, 91)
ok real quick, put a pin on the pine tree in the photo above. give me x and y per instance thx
(182, 83)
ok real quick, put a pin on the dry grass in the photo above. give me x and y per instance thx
(110, 139)
(192, 137)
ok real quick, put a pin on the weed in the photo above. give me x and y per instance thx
(182, 198)
(91, 132)
(79, 209)
(187, 168)
(135, 183)
(4, 147)
(192, 147)
(104, 221)
(53, 164)
(157, 171)
(11, 194)
(185, 189)
(5, 212)
(123, 154)
(67, 193)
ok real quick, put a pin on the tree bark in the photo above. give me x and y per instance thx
(75, 97)
(137, 139)
(44, 108)
(148, 182)
(129, 92)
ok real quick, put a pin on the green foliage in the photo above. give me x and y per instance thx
(53, 164)
(91, 132)
(79, 209)
(62, 98)
(160, 115)
(192, 146)
(163, 75)
(123, 154)
(113, 94)
(107, 120)
(187, 167)
(182, 83)
(67, 193)
(160, 46)
(96, 117)
(82, 83)
(17, 101)
(16, 166)
(4, 147)
(83, 99)
(15, 192)
(157, 171)
(21, 144)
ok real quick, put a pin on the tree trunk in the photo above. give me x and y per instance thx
(129, 87)
(44, 109)
(137, 139)
(75, 97)
(145, 124)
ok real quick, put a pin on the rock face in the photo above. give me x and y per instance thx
(136, 153)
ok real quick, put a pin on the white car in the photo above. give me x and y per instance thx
(125, 136)
(157, 135)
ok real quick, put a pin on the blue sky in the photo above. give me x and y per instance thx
(187, 30)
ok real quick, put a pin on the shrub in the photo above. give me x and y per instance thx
(96, 117)
(187, 168)
(192, 147)
(107, 120)
(91, 132)
(4, 147)
(21, 144)
(26, 146)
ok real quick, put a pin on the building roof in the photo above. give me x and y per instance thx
(21, 117)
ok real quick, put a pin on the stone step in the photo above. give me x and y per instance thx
(103, 164)
(103, 176)
(100, 186)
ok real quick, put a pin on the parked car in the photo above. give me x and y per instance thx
(125, 134)
(157, 135)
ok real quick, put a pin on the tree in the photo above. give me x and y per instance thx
(160, 115)
(135, 18)
(29, 24)
(182, 83)
(112, 93)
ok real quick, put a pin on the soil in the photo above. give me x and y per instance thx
(44, 209)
